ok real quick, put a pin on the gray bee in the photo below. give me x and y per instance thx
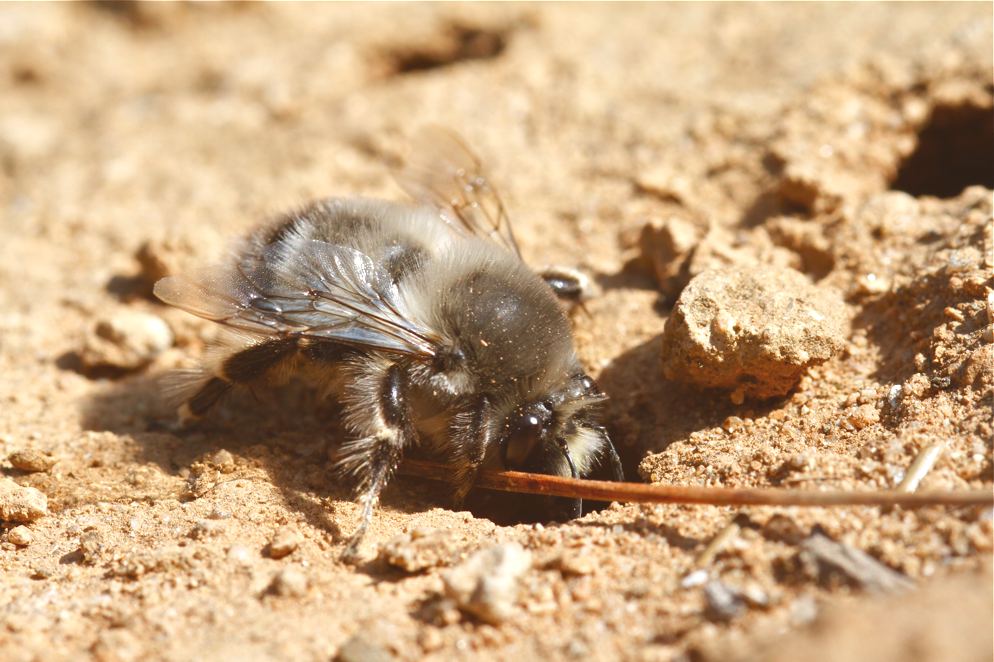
(422, 320)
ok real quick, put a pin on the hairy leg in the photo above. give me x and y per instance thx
(378, 413)
(473, 433)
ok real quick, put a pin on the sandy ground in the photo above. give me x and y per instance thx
(851, 143)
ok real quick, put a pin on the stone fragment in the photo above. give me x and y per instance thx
(723, 603)
(20, 536)
(285, 541)
(206, 528)
(677, 249)
(576, 562)
(978, 368)
(753, 332)
(419, 550)
(289, 582)
(359, 649)
(91, 547)
(126, 340)
(863, 416)
(829, 560)
(486, 584)
(158, 259)
(666, 247)
(31, 460)
(20, 504)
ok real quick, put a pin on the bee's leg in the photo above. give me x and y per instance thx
(378, 411)
(474, 437)
(613, 462)
(244, 367)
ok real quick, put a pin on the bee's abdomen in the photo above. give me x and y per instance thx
(246, 366)
(205, 398)
(255, 362)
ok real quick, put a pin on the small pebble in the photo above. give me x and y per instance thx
(894, 396)
(430, 639)
(799, 461)
(732, 423)
(695, 578)
(486, 584)
(864, 416)
(953, 314)
(20, 536)
(126, 340)
(19, 503)
(91, 546)
(240, 555)
(206, 528)
(420, 550)
(223, 461)
(289, 582)
(358, 649)
(803, 610)
(754, 595)
(284, 542)
(31, 460)
(723, 604)
(576, 562)
(44, 568)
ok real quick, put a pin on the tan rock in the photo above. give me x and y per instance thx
(19, 503)
(127, 340)
(754, 332)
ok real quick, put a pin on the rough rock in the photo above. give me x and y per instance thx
(126, 340)
(359, 649)
(754, 332)
(31, 460)
(722, 248)
(666, 247)
(419, 550)
(21, 504)
(829, 560)
(678, 249)
(289, 582)
(20, 536)
(486, 584)
(284, 542)
(723, 603)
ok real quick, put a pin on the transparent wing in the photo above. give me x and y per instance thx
(313, 289)
(443, 172)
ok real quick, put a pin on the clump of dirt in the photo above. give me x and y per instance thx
(754, 332)
(648, 146)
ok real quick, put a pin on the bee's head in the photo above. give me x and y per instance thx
(561, 435)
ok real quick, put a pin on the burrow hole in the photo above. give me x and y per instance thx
(955, 150)
(456, 44)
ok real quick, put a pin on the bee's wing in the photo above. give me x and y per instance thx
(312, 289)
(443, 172)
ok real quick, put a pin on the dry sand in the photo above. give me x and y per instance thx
(850, 142)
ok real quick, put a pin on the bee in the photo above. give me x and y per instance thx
(422, 320)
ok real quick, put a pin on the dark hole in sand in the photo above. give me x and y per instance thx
(462, 44)
(955, 150)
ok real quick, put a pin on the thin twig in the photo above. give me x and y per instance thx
(599, 490)
(723, 538)
(921, 465)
